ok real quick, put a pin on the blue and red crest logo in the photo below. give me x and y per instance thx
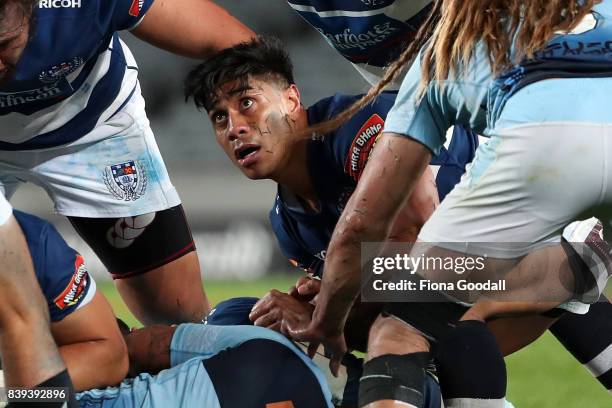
(59, 71)
(126, 181)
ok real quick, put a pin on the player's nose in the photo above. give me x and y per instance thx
(237, 126)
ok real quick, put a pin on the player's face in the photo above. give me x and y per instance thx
(255, 125)
(14, 33)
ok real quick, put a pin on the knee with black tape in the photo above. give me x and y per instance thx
(469, 364)
(394, 377)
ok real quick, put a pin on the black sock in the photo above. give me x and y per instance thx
(589, 338)
(470, 366)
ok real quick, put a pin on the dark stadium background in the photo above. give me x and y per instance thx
(228, 214)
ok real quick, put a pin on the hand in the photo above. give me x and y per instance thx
(315, 334)
(306, 288)
(275, 306)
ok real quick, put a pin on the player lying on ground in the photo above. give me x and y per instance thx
(208, 366)
(387, 27)
(28, 353)
(522, 123)
(345, 385)
(244, 121)
(72, 120)
(196, 365)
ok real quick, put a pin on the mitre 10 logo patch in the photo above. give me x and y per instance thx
(76, 287)
(136, 8)
(362, 145)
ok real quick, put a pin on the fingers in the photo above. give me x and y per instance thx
(337, 347)
(313, 346)
(309, 288)
(268, 320)
(334, 365)
(293, 292)
(264, 305)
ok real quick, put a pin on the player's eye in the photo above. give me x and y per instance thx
(246, 103)
(219, 118)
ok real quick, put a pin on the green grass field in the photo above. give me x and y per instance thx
(541, 376)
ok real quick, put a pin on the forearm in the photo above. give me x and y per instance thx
(394, 170)
(29, 354)
(95, 363)
(191, 28)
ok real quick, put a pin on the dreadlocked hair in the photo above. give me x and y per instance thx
(511, 31)
(391, 73)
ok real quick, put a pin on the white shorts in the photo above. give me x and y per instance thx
(525, 185)
(116, 170)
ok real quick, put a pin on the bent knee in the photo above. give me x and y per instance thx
(389, 335)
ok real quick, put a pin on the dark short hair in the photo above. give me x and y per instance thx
(262, 57)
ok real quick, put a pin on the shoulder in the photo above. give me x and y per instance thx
(350, 145)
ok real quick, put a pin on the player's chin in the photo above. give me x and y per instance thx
(255, 174)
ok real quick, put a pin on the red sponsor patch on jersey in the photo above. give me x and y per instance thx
(76, 287)
(284, 404)
(135, 8)
(362, 145)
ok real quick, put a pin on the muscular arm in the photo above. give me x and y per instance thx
(29, 355)
(419, 207)
(394, 170)
(91, 345)
(192, 28)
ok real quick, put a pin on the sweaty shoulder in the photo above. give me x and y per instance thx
(350, 145)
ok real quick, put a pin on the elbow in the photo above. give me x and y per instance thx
(118, 363)
(356, 227)
(113, 364)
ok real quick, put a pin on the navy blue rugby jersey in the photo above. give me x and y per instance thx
(335, 162)
(59, 269)
(74, 72)
(368, 33)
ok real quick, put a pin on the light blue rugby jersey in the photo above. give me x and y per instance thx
(187, 383)
(369, 33)
(74, 72)
(563, 83)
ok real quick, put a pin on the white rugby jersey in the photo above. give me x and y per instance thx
(74, 72)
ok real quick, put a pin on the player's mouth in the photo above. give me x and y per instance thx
(246, 155)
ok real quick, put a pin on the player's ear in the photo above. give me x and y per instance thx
(293, 96)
